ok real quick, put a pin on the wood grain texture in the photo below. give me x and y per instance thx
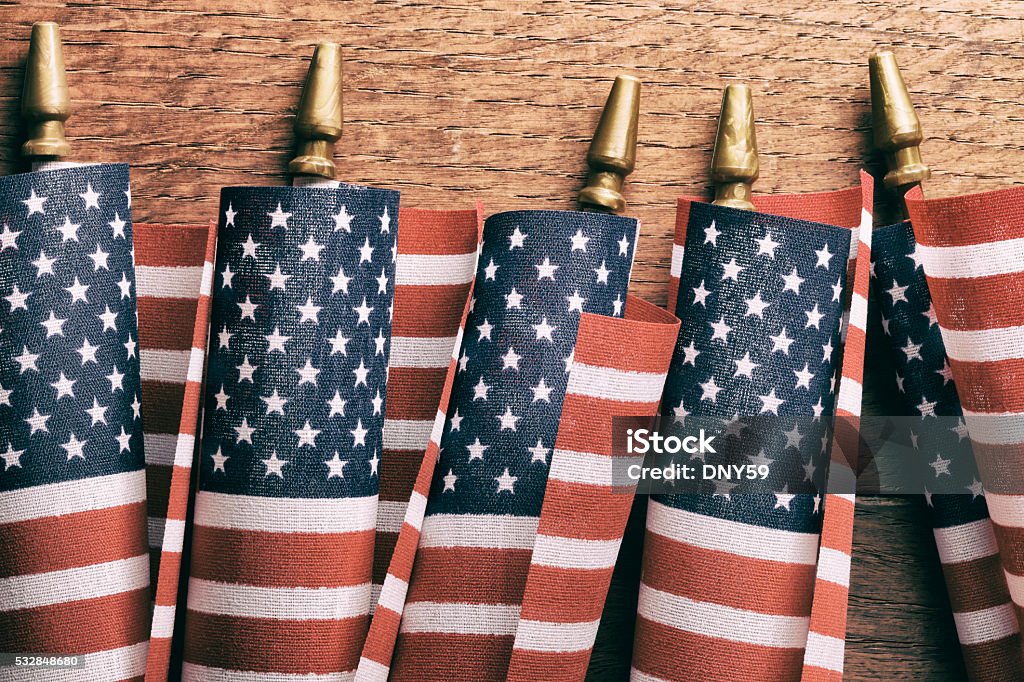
(456, 101)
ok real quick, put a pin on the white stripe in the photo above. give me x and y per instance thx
(841, 482)
(1006, 510)
(986, 625)
(72, 497)
(484, 530)
(392, 594)
(169, 366)
(851, 393)
(285, 514)
(825, 652)
(407, 434)
(419, 269)
(722, 622)
(534, 635)
(973, 260)
(859, 310)
(155, 531)
(184, 450)
(206, 286)
(168, 281)
(457, 346)
(159, 448)
(586, 467)
(427, 352)
(984, 345)
(417, 508)
(615, 384)
(390, 515)
(74, 584)
(966, 542)
(574, 553)
(193, 672)
(637, 676)
(834, 566)
(1015, 583)
(99, 666)
(371, 671)
(1005, 428)
(278, 603)
(676, 269)
(437, 428)
(163, 622)
(460, 619)
(174, 535)
(755, 542)
(196, 359)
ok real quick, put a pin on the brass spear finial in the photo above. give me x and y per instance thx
(612, 153)
(734, 163)
(897, 128)
(45, 103)
(318, 121)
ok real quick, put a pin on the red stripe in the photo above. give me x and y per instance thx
(170, 245)
(976, 584)
(56, 543)
(413, 392)
(558, 595)
(528, 666)
(158, 487)
(274, 646)
(567, 505)
(964, 220)
(166, 323)
(996, 660)
(78, 627)
(964, 303)
(455, 574)
(161, 406)
(444, 657)
(282, 559)
(579, 409)
(740, 582)
(990, 386)
(424, 231)
(420, 312)
(680, 656)
(398, 470)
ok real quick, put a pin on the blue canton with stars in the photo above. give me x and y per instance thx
(69, 361)
(761, 303)
(300, 340)
(924, 381)
(537, 272)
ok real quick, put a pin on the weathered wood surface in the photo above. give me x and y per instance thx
(458, 101)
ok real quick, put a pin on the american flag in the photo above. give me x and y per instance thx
(280, 581)
(436, 265)
(964, 337)
(174, 275)
(538, 272)
(74, 572)
(728, 577)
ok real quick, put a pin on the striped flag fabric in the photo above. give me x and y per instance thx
(982, 610)
(585, 509)
(174, 276)
(435, 269)
(74, 570)
(728, 578)
(970, 249)
(537, 273)
(285, 513)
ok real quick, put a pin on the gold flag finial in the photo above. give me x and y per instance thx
(45, 102)
(897, 128)
(612, 153)
(318, 121)
(734, 163)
